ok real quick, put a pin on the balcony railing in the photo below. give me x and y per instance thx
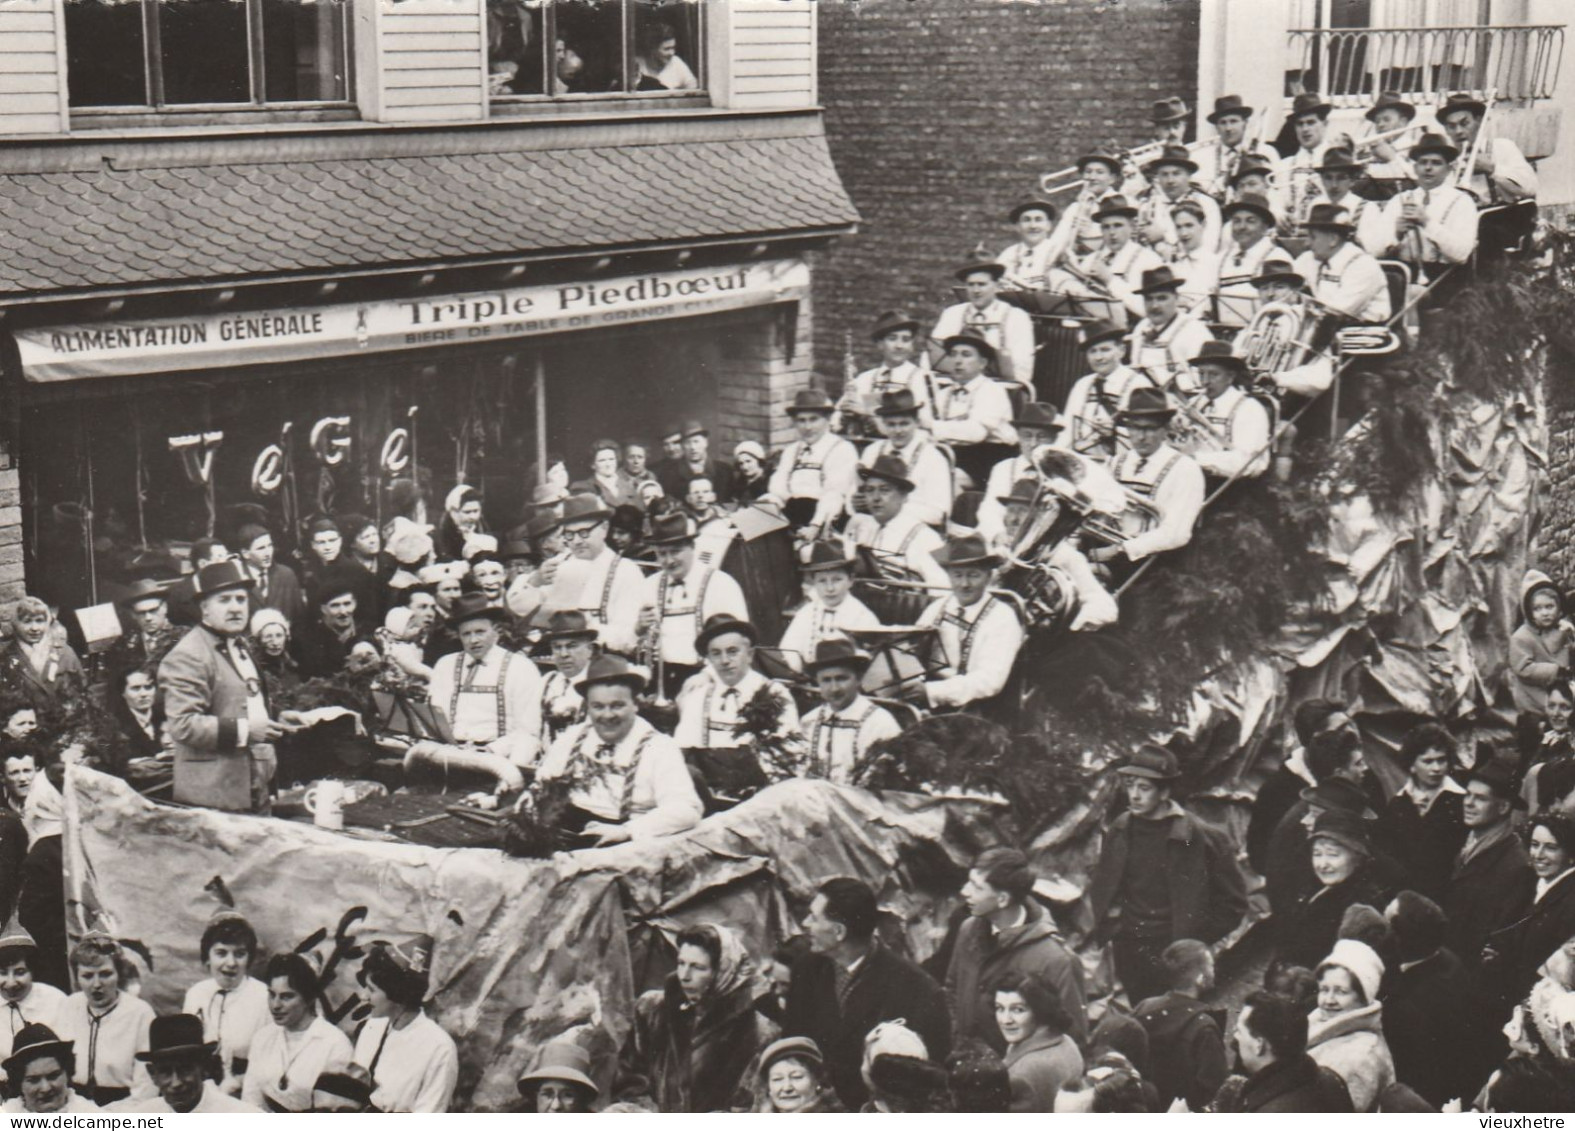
(1350, 66)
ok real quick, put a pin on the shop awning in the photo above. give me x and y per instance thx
(141, 214)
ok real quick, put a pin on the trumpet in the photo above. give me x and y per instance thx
(1374, 139)
(1195, 432)
(649, 652)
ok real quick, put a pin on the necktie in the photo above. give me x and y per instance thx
(14, 1017)
(472, 672)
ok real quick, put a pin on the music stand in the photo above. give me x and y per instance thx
(892, 645)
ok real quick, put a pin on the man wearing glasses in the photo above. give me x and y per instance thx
(594, 579)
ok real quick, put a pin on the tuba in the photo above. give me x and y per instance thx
(1275, 340)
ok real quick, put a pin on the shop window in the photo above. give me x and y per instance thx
(162, 55)
(579, 49)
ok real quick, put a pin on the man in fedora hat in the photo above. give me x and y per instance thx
(677, 600)
(1492, 883)
(1251, 222)
(1278, 282)
(1101, 393)
(928, 465)
(1095, 608)
(840, 731)
(215, 703)
(1341, 276)
(152, 635)
(1258, 173)
(1166, 338)
(1309, 122)
(696, 463)
(896, 335)
(1077, 234)
(1169, 118)
(183, 1067)
(1230, 430)
(1170, 184)
(1433, 225)
(1338, 173)
(817, 473)
(1220, 161)
(24, 1000)
(829, 609)
(1162, 874)
(1028, 261)
(572, 641)
(890, 532)
(1008, 329)
(1037, 425)
(1114, 271)
(491, 696)
(979, 634)
(1389, 113)
(974, 408)
(591, 577)
(39, 1070)
(629, 781)
(1501, 173)
(1168, 480)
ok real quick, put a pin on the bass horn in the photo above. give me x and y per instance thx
(1276, 339)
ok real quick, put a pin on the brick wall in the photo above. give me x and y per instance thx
(943, 113)
(11, 581)
(1556, 540)
(763, 363)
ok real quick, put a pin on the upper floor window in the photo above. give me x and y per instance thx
(594, 48)
(214, 54)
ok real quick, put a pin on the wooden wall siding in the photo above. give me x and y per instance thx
(431, 61)
(773, 54)
(32, 80)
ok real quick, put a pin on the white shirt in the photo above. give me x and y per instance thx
(675, 75)
(417, 1066)
(1173, 483)
(1162, 353)
(905, 542)
(827, 471)
(661, 798)
(107, 1052)
(560, 700)
(1005, 474)
(612, 608)
(868, 386)
(976, 413)
(1513, 177)
(686, 604)
(1241, 424)
(1545, 886)
(928, 468)
(1234, 270)
(1298, 173)
(1217, 163)
(709, 710)
(1424, 801)
(42, 1006)
(1008, 328)
(1372, 233)
(1351, 282)
(1157, 208)
(1199, 271)
(295, 1060)
(1126, 266)
(75, 1104)
(838, 740)
(980, 644)
(1026, 266)
(496, 704)
(232, 1019)
(1076, 233)
(1090, 411)
(814, 622)
(1096, 608)
(1449, 235)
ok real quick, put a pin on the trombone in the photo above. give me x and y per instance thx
(1466, 170)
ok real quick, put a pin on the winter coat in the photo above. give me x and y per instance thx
(1186, 1048)
(885, 987)
(1425, 844)
(1352, 1044)
(1432, 1027)
(1279, 791)
(1307, 932)
(697, 1058)
(1526, 944)
(983, 955)
(1208, 894)
(1535, 656)
(1038, 1066)
(1300, 1085)
(1490, 891)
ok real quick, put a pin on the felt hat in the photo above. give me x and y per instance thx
(1177, 155)
(1259, 163)
(837, 652)
(1498, 777)
(695, 428)
(542, 523)
(975, 341)
(584, 508)
(720, 625)
(338, 579)
(569, 624)
(474, 606)
(811, 400)
(1162, 278)
(1101, 155)
(1025, 492)
(1461, 101)
(1340, 159)
(34, 1041)
(824, 555)
(802, 1047)
(671, 431)
(891, 469)
(560, 1060)
(1099, 330)
(989, 266)
(1216, 352)
(551, 494)
(1337, 794)
(893, 320)
(1146, 403)
(1434, 143)
(1152, 762)
(1391, 100)
(611, 669)
(142, 589)
(216, 577)
(914, 1079)
(967, 550)
(898, 402)
(1345, 828)
(1253, 202)
(1362, 961)
(671, 530)
(1229, 104)
(1115, 205)
(1331, 217)
(176, 1036)
(514, 548)
(1029, 205)
(1167, 110)
(1039, 414)
(1309, 103)
(1277, 269)
(346, 1086)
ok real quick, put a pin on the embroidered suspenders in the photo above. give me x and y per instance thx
(830, 724)
(497, 690)
(969, 630)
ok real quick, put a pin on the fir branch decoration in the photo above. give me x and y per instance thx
(759, 726)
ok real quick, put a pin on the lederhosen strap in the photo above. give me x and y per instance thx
(1149, 490)
(626, 797)
(710, 726)
(829, 723)
(607, 588)
(969, 630)
(498, 692)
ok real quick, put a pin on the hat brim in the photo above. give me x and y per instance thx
(1126, 211)
(994, 270)
(888, 412)
(672, 540)
(1043, 425)
(589, 516)
(1160, 414)
(179, 1052)
(1111, 163)
(1107, 336)
(810, 410)
(527, 1083)
(1257, 210)
(1351, 167)
(1160, 288)
(1477, 108)
(1404, 107)
(891, 328)
(1238, 111)
(821, 567)
(1146, 772)
(1156, 166)
(1166, 119)
(1447, 152)
(1323, 110)
(858, 664)
(1330, 226)
(988, 561)
(634, 681)
(1049, 210)
(570, 634)
(886, 477)
(986, 350)
(57, 1049)
(1228, 360)
(491, 612)
(1289, 278)
(742, 628)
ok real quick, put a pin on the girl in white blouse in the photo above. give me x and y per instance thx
(288, 1056)
(108, 1026)
(412, 1062)
(233, 1006)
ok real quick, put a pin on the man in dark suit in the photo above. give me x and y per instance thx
(152, 636)
(215, 702)
(183, 594)
(321, 643)
(1492, 883)
(1271, 1040)
(851, 982)
(275, 585)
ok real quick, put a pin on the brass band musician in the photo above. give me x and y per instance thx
(1220, 161)
(1151, 469)
(1389, 114)
(1166, 339)
(1223, 428)
(1100, 394)
(1115, 271)
(1008, 329)
(1500, 173)
(1434, 224)
(1028, 261)
(677, 600)
(896, 335)
(1169, 175)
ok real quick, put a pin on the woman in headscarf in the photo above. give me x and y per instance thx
(695, 1038)
(461, 519)
(288, 1055)
(1345, 1034)
(271, 650)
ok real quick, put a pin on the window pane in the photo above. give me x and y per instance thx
(666, 45)
(589, 51)
(304, 50)
(105, 53)
(202, 45)
(514, 47)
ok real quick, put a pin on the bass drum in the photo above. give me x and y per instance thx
(767, 572)
(891, 604)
